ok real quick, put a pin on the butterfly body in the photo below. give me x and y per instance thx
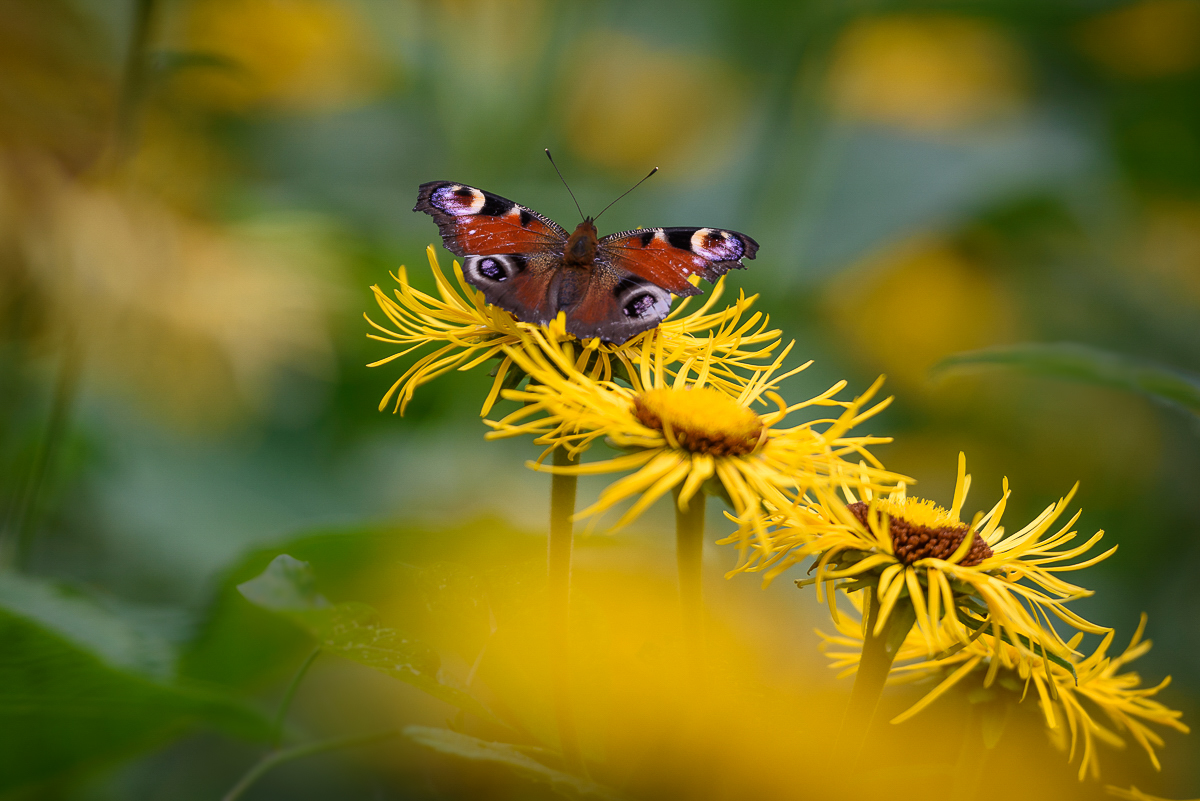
(580, 250)
(611, 287)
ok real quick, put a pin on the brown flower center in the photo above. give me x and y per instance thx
(912, 542)
(702, 420)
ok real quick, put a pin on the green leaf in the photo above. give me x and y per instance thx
(287, 585)
(1083, 363)
(352, 630)
(242, 645)
(66, 706)
(80, 620)
(239, 644)
(510, 756)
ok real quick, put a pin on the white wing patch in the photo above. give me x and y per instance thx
(458, 200)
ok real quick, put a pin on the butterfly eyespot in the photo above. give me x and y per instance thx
(491, 268)
(464, 191)
(486, 270)
(640, 306)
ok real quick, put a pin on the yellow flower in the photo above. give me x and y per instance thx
(1067, 695)
(195, 320)
(466, 332)
(927, 73)
(300, 55)
(959, 579)
(685, 428)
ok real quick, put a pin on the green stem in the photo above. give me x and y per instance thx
(276, 758)
(28, 505)
(290, 693)
(133, 83)
(689, 557)
(878, 654)
(558, 589)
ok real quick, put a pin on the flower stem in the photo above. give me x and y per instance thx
(28, 508)
(558, 589)
(133, 83)
(689, 557)
(276, 758)
(878, 654)
(289, 694)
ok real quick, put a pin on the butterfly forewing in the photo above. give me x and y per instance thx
(477, 223)
(667, 256)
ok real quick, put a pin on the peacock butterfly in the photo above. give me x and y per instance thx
(612, 287)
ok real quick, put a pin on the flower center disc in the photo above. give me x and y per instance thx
(923, 530)
(702, 420)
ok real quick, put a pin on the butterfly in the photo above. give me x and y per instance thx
(613, 287)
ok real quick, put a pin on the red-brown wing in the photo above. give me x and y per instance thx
(605, 302)
(478, 223)
(667, 256)
(517, 282)
(615, 305)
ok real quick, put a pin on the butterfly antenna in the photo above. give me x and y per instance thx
(564, 180)
(627, 191)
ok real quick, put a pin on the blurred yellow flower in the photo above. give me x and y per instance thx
(306, 55)
(683, 430)
(1065, 695)
(469, 332)
(605, 126)
(959, 579)
(915, 303)
(1166, 248)
(56, 84)
(926, 73)
(195, 318)
(1147, 39)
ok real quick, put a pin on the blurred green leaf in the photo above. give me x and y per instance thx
(1082, 363)
(287, 585)
(352, 630)
(461, 745)
(395, 569)
(73, 691)
(78, 619)
(242, 645)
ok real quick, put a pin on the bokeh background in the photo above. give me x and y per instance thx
(195, 196)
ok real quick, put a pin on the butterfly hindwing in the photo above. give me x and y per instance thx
(616, 305)
(477, 223)
(607, 302)
(516, 282)
(667, 256)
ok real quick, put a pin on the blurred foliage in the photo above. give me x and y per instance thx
(195, 195)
